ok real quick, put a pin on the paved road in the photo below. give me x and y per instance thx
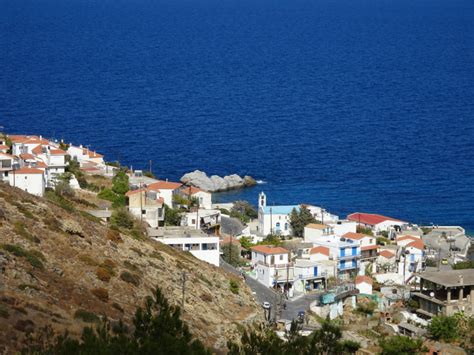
(265, 294)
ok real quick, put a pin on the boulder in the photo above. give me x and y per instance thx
(216, 183)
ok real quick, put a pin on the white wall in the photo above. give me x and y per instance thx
(364, 287)
(267, 222)
(344, 227)
(205, 199)
(31, 183)
(209, 256)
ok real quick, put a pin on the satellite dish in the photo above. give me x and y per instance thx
(431, 294)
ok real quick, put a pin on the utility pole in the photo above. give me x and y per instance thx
(150, 167)
(184, 290)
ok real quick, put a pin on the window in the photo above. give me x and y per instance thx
(286, 226)
(193, 221)
(281, 257)
(143, 211)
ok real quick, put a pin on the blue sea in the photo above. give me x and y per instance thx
(355, 105)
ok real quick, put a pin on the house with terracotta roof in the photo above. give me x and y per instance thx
(376, 222)
(406, 239)
(273, 266)
(4, 148)
(364, 284)
(26, 144)
(274, 219)
(85, 155)
(319, 253)
(412, 258)
(30, 180)
(147, 206)
(204, 197)
(386, 261)
(368, 246)
(166, 189)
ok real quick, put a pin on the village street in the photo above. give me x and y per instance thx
(264, 294)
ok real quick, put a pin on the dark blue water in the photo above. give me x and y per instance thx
(357, 105)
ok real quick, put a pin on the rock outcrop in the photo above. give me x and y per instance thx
(217, 183)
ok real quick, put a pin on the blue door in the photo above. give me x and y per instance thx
(354, 263)
(315, 271)
(343, 264)
(343, 252)
(354, 250)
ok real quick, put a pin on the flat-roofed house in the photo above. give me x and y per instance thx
(7, 162)
(203, 246)
(315, 231)
(445, 292)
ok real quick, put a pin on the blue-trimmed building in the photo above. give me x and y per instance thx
(274, 219)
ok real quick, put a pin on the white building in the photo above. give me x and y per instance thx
(26, 144)
(84, 155)
(204, 198)
(313, 232)
(364, 284)
(386, 261)
(377, 222)
(342, 227)
(201, 219)
(405, 240)
(321, 215)
(368, 246)
(411, 259)
(30, 180)
(312, 275)
(274, 219)
(272, 265)
(166, 190)
(202, 246)
(345, 252)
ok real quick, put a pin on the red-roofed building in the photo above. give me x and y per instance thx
(272, 265)
(364, 284)
(368, 245)
(204, 197)
(319, 253)
(31, 180)
(166, 189)
(376, 222)
(406, 239)
(387, 261)
(4, 148)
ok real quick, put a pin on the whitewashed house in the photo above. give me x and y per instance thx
(368, 246)
(203, 246)
(411, 258)
(272, 265)
(345, 252)
(202, 219)
(321, 215)
(405, 240)
(377, 222)
(364, 284)
(274, 219)
(342, 227)
(204, 198)
(386, 261)
(30, 180)
(26, 144)
(314, 232)
(166, 190)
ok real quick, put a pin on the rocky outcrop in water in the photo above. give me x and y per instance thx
(217, 183)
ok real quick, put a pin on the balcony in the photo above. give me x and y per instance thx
(310, 276)
(348, 256)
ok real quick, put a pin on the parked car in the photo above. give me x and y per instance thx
(266, 305)
(444, 261)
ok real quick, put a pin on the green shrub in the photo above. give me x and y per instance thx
(234, 287)
(157, 255)
(4, 311)
(121, 218)
(130, 278)
(59, 201)
(34, 257)
(86, 316)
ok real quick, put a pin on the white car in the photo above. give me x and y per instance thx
(266, 305)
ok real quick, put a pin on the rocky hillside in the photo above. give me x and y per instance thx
(62, 267)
